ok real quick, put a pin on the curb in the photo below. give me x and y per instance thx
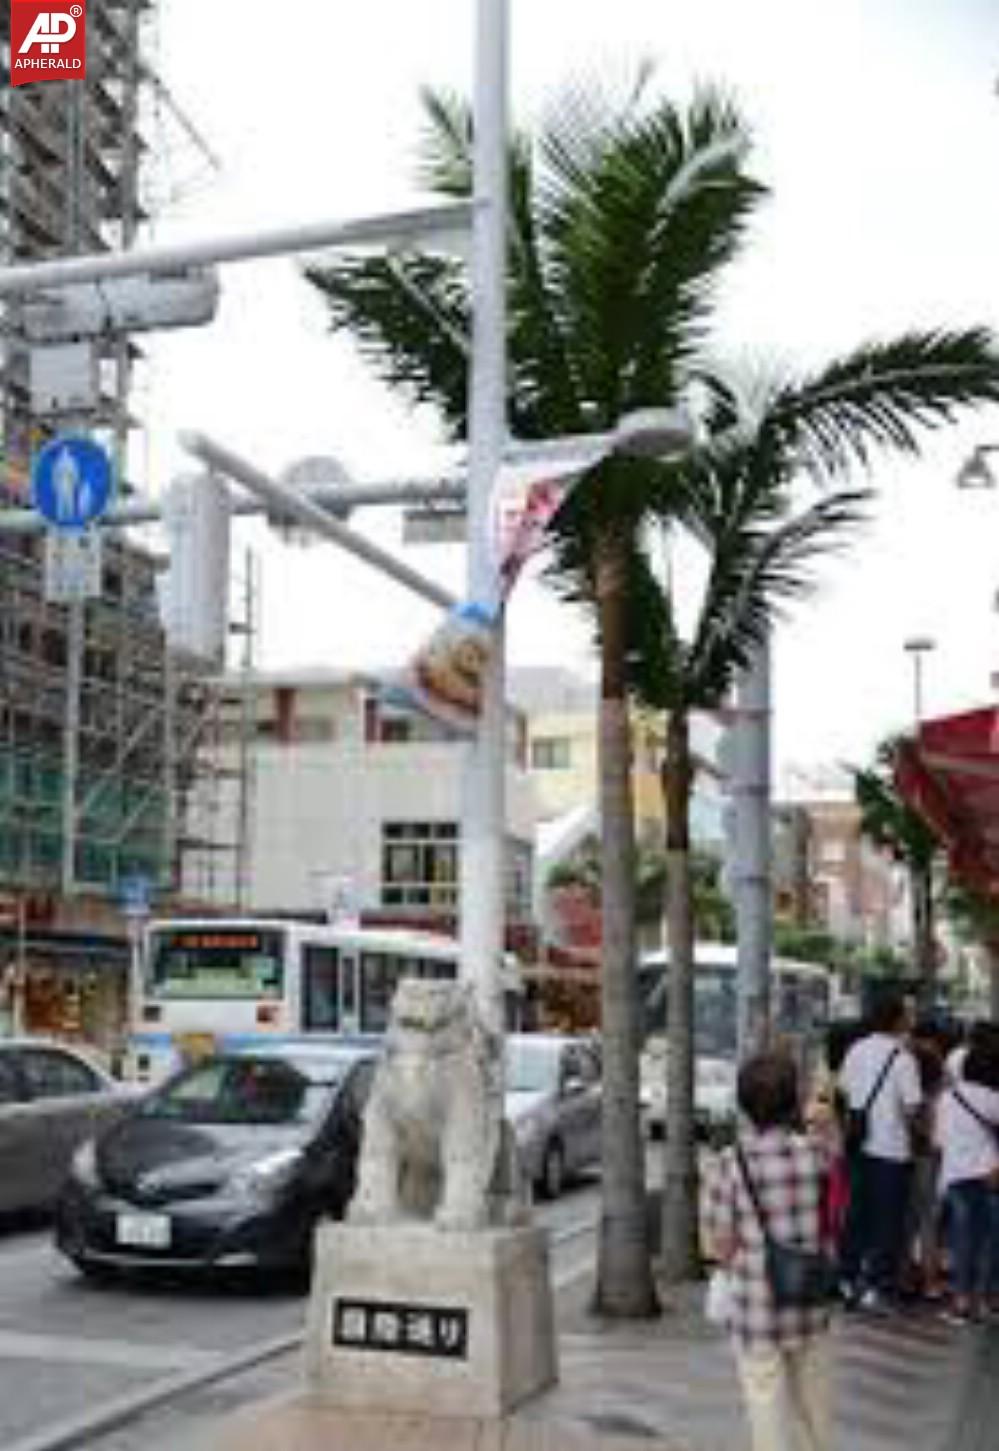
(74, 1430)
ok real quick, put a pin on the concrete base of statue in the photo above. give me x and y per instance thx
(406, 1319)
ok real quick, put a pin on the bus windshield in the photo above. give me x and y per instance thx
(224, 962)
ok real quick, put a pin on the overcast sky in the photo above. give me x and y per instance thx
(877, 124)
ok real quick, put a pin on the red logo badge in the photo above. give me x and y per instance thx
(48, 42)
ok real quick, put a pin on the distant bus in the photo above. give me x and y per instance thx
(224, 982)
(801, 998)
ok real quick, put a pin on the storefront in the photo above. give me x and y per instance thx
(67, 985)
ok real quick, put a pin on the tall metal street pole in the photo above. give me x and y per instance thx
(75, 642)
(483, 820)
(918, 647)
(752, 874)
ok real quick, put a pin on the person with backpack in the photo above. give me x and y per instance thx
(968, 1135)
(880, 1082)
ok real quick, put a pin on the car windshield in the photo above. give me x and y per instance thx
(531, 1067)
(245, 1091)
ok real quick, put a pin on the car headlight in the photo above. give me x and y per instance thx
(267, 1175)
(83, 1166)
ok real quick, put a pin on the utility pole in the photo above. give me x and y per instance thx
(752, 865)
(483, 818)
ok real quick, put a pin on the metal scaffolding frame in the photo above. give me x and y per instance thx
(71, 176)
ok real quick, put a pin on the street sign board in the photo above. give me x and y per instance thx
(434, 526)
(71, 482)
(73, 565)
(134, 895)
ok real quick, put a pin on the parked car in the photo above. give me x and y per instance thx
(714, 1092)
(553, 1105)
(228, 1164)
(51, 1099)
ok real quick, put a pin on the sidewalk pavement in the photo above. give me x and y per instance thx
(670, 1385)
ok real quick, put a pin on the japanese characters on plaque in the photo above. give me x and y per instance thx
(402, 1329)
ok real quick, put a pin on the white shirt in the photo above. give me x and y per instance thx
(956, 1059)
(900, 1093)
(968, 1149)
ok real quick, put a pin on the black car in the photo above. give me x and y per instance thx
(227, 1166)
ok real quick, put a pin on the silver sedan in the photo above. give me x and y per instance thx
(51, 1099)
(553, 1105)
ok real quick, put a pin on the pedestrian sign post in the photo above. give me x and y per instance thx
(71, 483)
(73, 563)
(71, 487)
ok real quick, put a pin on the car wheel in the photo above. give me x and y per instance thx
(552, 1179)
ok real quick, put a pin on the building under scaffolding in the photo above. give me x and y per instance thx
(73, 156)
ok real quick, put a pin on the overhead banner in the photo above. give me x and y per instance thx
(525, 499)
(445, 678)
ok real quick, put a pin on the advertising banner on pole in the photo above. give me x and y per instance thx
(445, 678)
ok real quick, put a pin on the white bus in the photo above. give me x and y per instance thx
(206, 984)
(801, 997)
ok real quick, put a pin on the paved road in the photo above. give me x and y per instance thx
(66, 1345)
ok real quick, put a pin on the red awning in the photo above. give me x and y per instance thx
(949, 773)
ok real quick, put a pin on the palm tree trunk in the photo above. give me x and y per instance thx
(924, 946)
(624, 1286)
(680, 1236)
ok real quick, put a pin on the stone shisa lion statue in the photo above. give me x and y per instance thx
(435, 1145)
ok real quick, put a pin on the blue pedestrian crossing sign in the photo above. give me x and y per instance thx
(71, 482)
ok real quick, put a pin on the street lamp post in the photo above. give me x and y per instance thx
(483, 802)
(917, 647)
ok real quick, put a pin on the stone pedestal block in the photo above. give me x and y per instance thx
(406, 1319)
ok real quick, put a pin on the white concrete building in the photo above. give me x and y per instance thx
(349, 791)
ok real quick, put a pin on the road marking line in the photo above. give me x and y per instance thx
(77, 1350)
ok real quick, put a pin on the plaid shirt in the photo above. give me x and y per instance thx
(788, 1172)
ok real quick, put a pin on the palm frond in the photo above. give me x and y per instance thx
(638, 214)
(409, 318)
(657, 664)
(757, 567)
(445, 165)
(883, 396)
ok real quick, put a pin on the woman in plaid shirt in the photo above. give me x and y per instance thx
(782, 1354)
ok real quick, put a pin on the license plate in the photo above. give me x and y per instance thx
(144, 1231)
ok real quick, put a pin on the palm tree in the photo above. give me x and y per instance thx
(891, 824)
(740, 496)
(621, 220)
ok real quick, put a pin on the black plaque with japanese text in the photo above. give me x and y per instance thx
(403, 1329)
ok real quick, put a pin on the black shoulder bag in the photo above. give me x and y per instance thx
(799, 1278)
(986, 1124)
(858, 1120)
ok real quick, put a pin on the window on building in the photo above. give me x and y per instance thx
(395, 730)
(551, 753)
(420, 864)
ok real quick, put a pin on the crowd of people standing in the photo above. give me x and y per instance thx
(920, 1132)
(876, 1191)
